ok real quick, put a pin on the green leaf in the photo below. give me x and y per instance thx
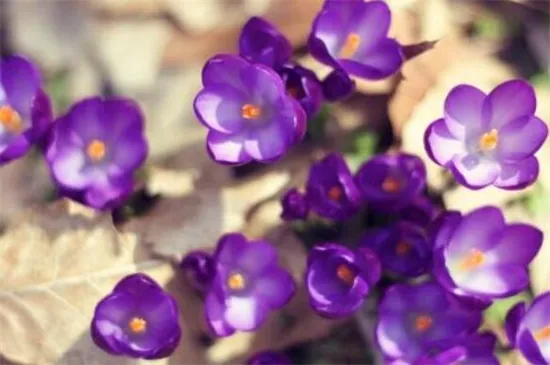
(58, 89)
(316, 125)
(362, 147)
(491, 26)
(540, 80)
(537, 202)
(496, 313)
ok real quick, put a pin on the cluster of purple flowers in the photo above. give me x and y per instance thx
(92, 151)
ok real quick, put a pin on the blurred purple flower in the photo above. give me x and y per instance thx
(261, 42)
(247, 111)
(302, 84)
(95, 149)
(295, 206)
(25, 109)
(268, 358)
(489, 139)
(391, 182)
(475, 349)
(421, 212)
(413, 317)
(339, 279)
(137, 319)
(338, 85)
(529, 329)
(481, 257)
(403, 248)
(199, 269)
(330, 189)
(248, 285)
(353, 35)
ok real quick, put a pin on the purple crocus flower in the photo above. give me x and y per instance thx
(303, 85)
(25, 109)
(353, 35)
(413, 317)
(138, 319)
(248, 285)
(338, 279)
(338, 85)
(199, 269)
(489, 139)
(475, 349)
(94, 150)
(247, 111)
(391, 182)
(295, 206)
(261, 42)
(479, 256)
(268, 358)
(330, 189)
(528, 329)
(421, 212)
(403, 248)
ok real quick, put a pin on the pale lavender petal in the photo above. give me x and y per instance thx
(518, 175)
(392, 337)
(244, 313)
(473, 171)
(521, 138)
(226, 148)
(539, 312)
(219, 107)
(499, 282)
(441, 145)
(463, 108)
(518, 244)
(68, 168)
(508, 102)
(215, 316)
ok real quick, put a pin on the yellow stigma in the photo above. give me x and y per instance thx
(391, 184)
(10, 120)
(249, 111)
(236, 282)
(345, 274)
(543, 334)
(96, 150)
(402, 248)
(423, 323)
(350, 46)
(488, 141)
(335, 193)
(137, 325)
(473, 260)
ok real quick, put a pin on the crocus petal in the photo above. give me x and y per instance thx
(382, 61)
(224, 69)
(442, 146)
(508, 102)
(268, 142)
(215, 316)
(229, 248)
(16, 148)
(20, 80)
(513, 320)
(392, 337)
(371, 22)
(219, 107)
(521, 138)
(539, 312)
(463, 110)
(245, 313)
(131, 151)
(86, 117)
(530, 349)
(473, 171)
(256, 257)
(275, 288)
(518, 244)
(227, 148)
(518, 175)
(499, 282)
(110, 194)
(68, 168)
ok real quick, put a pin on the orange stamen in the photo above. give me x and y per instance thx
(489, 140)
(236, 282)
(345, 274)
(473, 260)
(249, 111)
(96, 150)
(391, 184)
(137, 325)
(423, 323)
(543, 334)
(10, 119)
(350, 46)
(402, 248)
(335, 193)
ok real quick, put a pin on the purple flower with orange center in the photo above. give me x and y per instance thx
(353, 36)
(247, 111)
(391, 182)
(138, 319)
(528, 329)
(295, 206)
(474, 349)
(403, 248)
(94, 150)
(330, 189)
(269, 358)
(261, 42)
(489, 139)
(414, 317)
(25, 109)
(339, 279)
(199, 269)
(302, 84)
(480, 256)
(249, 283)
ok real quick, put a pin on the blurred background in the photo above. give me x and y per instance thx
(153, 51)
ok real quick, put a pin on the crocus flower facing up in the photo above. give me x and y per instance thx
(403, 248)
(303, 85)
(95, 149)
(339, 279)
(247, 111)
(199, 269)
(249, 284)
(528, 329)
(489, 139)
(268, 358)
(353, 36)
(479, 256)
(138, 319)
(330, 189)
(25, 109)
(261, 42)
(391, 182)
(295, 206)
(413, 317)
